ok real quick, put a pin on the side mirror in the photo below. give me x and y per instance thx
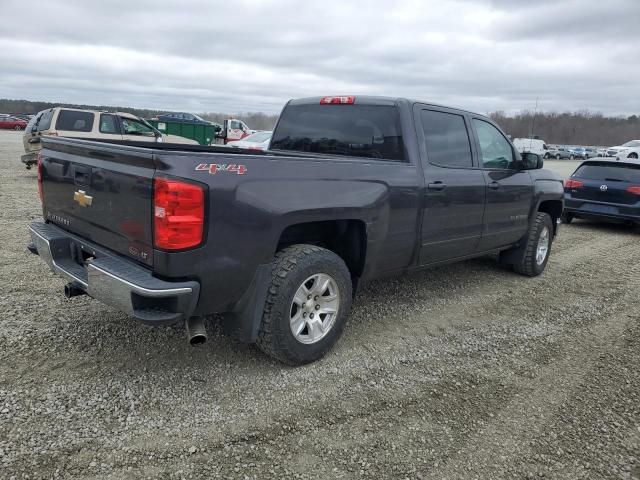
(532, 161)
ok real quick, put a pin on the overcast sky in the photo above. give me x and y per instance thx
(253, 55)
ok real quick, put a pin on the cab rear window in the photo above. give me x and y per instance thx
(623, 172)
(75, 121)
(370, 131)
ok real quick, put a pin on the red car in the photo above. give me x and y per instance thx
(13, 123)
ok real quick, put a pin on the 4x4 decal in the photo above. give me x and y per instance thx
(214, 168)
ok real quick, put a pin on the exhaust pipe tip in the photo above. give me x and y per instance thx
(73, 290)
(196, 331)
(198, 339)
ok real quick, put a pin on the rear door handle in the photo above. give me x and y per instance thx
(494, 185)
(438, 186)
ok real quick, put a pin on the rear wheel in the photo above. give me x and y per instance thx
(571, 157)
(307, 305)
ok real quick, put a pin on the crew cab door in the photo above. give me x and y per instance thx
(454, 191)
(509, 188)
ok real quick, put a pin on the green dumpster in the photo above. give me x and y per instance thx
(202, 133)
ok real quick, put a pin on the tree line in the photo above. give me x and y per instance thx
(570, 128)
(567, 128)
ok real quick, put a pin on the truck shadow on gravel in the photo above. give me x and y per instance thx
(104, 338)
(83, 328)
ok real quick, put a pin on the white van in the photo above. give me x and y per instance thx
(533, 145)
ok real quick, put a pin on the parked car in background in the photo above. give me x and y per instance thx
(23, 116)
(627, 150)
(12, 123)
(70, 122)
(560, 153)
(533, 145)
(255, 141)
(581, 153)
(601, 152)
(181, 117)
(604, 189)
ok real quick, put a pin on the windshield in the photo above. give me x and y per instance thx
(349, 130)
(632, 143)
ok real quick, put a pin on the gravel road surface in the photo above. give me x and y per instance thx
(461, 372)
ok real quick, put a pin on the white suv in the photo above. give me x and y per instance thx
(628, 150)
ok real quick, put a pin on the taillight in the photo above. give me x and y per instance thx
(573, 184)
(634, 189)
(39, 160)
(348, 100)
(178, 214)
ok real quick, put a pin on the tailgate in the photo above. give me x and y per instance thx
(101, 192)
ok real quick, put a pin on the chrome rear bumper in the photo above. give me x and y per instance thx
(112, 279)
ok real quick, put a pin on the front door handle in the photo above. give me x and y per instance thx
(438, 186)
(494, 185)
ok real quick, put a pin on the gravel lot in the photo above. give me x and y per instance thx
(466, 371)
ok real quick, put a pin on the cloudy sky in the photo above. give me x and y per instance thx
(253, 55)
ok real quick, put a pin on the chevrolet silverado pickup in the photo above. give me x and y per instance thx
(351, 189)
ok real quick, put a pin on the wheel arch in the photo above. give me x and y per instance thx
(554, 208)
(347, 238)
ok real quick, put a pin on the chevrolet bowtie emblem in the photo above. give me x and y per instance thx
(82, 198)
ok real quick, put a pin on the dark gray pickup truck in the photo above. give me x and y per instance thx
(352, 189)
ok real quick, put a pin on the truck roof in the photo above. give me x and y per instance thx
(378, 100)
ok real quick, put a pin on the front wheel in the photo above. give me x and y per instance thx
(571, 157)
(17, 127)
(633, 155)
(558, 157)
(531, 256)
(307, 304)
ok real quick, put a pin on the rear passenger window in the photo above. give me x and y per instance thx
(108, 124)
(447, 139)
(74, 121)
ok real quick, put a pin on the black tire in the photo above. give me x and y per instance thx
(567, 218)
(558, 156)
(633, 155)
(546, 156)
(523, 258)
(290, 268)
(17, 128)
(571, 157)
